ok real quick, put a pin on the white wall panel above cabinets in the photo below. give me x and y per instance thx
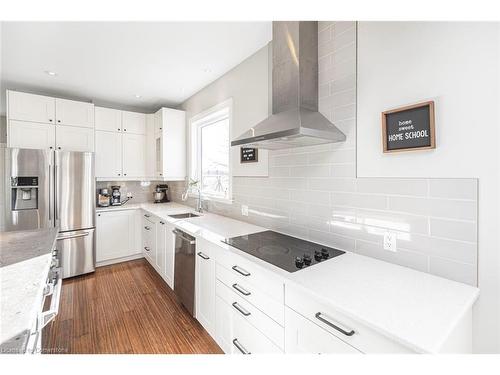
(74, 138)
(29, 107)
(73, 113)
(108, 119)
(133, 122)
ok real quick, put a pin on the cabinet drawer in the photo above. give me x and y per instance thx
(255, 275)
(303, 336)
(245, 310)
(348, 330)
(246, 290)
(248, 340)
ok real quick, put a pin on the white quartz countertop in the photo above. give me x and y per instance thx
(22, 283)
(414, 308)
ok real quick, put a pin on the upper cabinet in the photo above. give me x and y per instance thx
(73, 113)
(30, 107)
(134, 122)
(170, 144)
(41, 122)
(108, 119)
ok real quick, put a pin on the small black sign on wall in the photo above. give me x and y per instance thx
(409, 128)
(249, 155)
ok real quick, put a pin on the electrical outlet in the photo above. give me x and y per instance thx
(390, 242)
(244, 210)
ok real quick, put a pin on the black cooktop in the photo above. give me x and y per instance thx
(286, 252)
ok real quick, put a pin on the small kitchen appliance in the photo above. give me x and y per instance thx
(115, 195)
(160, 194)
(288, 253)
(103, 197)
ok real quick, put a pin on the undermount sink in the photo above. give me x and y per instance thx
(184, 216)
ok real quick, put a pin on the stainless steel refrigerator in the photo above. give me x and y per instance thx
(45, 188)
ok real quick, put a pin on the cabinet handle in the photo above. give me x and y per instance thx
(98, 214)
(241, 309)
(240, 347)
(50, 147)
(119, 129)
(50, 120)
(146, 215)
(241, 271)
(119, 174)
(241, 290)
(59, 148)
(328, 323)
(124, 174)
(124, 130)
(58, 120)
(201, 255)
(146, 248)
(162, 223)
(147, 228)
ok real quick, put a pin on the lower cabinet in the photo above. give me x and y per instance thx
(116, 235)
(165, 251)
(149, 239)
(303, 336)
(205, 285)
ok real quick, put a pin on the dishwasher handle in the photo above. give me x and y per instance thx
(180, 234)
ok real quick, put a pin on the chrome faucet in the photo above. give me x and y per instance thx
(199, 205)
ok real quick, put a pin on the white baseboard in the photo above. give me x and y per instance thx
(119, 260)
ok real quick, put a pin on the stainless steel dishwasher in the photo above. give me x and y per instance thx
(185, 248)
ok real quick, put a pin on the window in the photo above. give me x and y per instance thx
(210, 151)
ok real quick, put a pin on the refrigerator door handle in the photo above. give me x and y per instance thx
(55, 195)
(84, 234)
(51, 197)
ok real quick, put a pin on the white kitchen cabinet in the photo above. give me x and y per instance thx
(303, 336)
(115, 231)
(74, 138)
(149, 239)
(29, 107)
(74, 113)
(24, 134)
(170, 144)
(134, 122)
(134, 155)
(108, 119)
(224, 325)
(205, 285)
(169, 255)
(160, 246)
(108, 154)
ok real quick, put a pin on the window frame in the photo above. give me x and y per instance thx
(196, 122)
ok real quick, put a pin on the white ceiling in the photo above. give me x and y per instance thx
(111, 62)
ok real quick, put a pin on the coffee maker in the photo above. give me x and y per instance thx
(103, 198)
(115, 196)
(160, 194)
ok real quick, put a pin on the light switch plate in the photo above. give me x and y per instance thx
(390, 242)
(244, 210)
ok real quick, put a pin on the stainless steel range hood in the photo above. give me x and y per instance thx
(295, 121)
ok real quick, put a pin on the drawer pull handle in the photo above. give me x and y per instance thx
(147, 228)
(162, 223)
(347, 333)
(240, 347)
(241, 271)
(241, 309)
(146, 248)
(146, 215)
(201, 255)
(241, 290)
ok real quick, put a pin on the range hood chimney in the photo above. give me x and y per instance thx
(295, 121)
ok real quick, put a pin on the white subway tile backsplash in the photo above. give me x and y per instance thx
(459, 188)
(453, 229)
(312, 192)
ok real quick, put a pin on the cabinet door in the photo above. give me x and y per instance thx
(205, 287)
(149, 240)
(173, 146)
(169, 255)
(22, 134)
(108, 119)
(134, 155)
(134, 122)
(74, 138)
(160, 246)
(73, 113)
(115, 235)
(303, 336)
(224, 325)
(30, 107)
(108, 154)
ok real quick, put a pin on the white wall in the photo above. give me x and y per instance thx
(248, 86)
(457, 66)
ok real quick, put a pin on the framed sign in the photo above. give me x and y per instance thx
(249, 155)
(409, 128)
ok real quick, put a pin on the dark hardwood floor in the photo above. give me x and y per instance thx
(124, 308)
